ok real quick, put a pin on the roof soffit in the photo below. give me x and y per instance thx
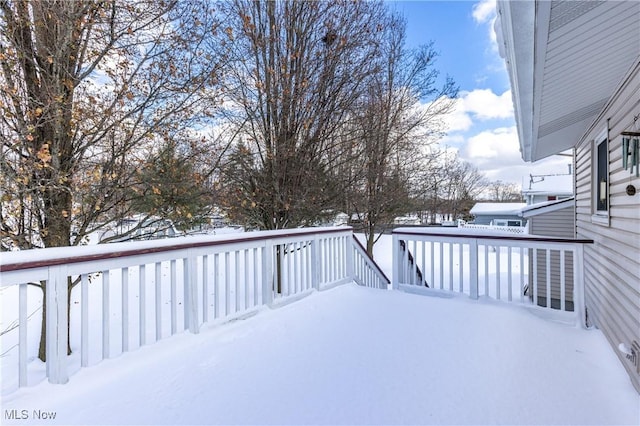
(581, 52)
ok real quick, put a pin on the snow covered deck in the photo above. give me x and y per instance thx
(353, 355)
(193, 331)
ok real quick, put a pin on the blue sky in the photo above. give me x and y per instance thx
(458, 37)
(482, 129)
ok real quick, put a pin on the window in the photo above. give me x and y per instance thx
(602, 166)
(505, 222)
(601, 179)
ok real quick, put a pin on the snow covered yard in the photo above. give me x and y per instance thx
(352, 355)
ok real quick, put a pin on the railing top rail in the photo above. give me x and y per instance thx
(483, 234)
(37, 258)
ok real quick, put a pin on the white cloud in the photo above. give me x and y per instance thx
(484, 11)
(486, 105)
(481, 127)
(493, 146)
(479, 104)
(496, 153)
(520, 173)
(452, 141)
(458, 120)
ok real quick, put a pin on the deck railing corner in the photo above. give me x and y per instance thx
(544, 273)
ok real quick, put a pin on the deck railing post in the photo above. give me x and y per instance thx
(22, 330)
(578, 284)
(349, 248)
(124, 273)
(57, 320)
(267, 272)
(315, 262)
(191, 292)
(473, 269)
(396, 253)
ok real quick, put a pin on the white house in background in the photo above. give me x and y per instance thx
(575, 77)
(498, 214)
(543, 188)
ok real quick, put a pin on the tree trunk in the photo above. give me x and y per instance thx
(371, 239)
(279, 259)
(56, 233)
(42, 348)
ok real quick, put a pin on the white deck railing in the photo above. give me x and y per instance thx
(496, 265)
(366, 272)
(127, 295)
(509, 229)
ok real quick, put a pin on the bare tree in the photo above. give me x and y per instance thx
(400, 115)
(297, 68)
(85, 87)
(450, 186)
(466, 184)
(504, 191)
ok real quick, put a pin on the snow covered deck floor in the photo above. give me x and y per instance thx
(354, 355)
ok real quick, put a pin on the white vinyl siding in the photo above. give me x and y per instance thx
(556, 223)
(601, 177)
(612, 263)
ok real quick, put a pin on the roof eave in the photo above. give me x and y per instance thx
(543, 44)
(519, 62)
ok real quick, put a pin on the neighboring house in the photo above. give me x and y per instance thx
(333, 218)
(340, 219)
(498, 214)
(552, 219)
(542, 188)
(139, 227)
(575, 76)
(407, 220)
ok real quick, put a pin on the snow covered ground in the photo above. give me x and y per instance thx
(352, 355)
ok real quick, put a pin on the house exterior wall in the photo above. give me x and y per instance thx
(542, 198)
(557, 223)
(612, 263)
(481, 219)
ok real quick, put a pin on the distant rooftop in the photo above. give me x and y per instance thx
(546, 206)
(497, 208)
(548, 185)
